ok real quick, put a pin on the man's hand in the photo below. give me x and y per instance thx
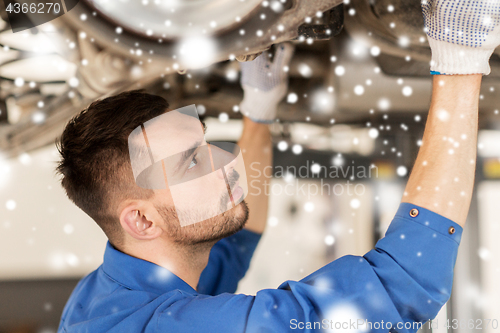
(265, 83)
(462, 34)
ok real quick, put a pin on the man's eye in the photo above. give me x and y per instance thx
(193, 163)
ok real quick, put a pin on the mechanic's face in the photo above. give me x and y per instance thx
(199, 195)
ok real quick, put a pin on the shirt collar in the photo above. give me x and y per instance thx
(138, 274)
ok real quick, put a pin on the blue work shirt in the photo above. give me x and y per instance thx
(405, 279)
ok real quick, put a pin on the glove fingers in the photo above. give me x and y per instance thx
(265, 75)
(250, 69)
(282, 58)
(462, 34)
(283, 54)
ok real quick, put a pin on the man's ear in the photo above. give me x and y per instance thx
(136, 221)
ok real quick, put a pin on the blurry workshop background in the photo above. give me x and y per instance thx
(348, 133)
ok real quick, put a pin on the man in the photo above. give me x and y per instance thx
(160, 277)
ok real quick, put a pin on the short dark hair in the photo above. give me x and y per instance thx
(95, 163)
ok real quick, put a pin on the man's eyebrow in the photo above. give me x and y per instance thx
(185, 155)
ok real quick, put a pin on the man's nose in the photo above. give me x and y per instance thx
(223, 159)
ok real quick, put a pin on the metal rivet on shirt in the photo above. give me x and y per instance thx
(414, 212)
(451, 230)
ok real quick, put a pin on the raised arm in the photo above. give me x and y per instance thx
(462, 35)
(264, 83)
(257, 150)
(443, 176)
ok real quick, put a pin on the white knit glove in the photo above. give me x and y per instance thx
(265, 83)
(462, 34)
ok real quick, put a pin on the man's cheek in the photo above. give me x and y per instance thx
(199, 199)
